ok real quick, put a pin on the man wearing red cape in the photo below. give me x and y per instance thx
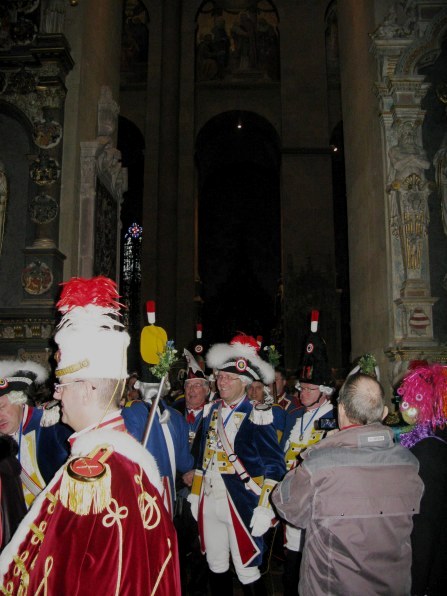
(100, 526)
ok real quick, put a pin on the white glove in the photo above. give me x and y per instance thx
(261, 520)
(193, 500)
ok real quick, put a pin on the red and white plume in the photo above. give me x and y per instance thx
(92, 342)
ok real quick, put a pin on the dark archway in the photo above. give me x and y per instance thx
(131, 144)
(239, 245)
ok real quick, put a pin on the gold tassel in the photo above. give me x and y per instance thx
(86, 485)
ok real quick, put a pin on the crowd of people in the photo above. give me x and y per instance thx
(118, 487)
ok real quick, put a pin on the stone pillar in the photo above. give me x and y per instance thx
(97, 51)
(160, 228)
(307, 230)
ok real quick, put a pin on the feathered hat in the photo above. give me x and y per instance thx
(241, 357)
(198, 347)
(314, 368)
(193, 370)
(17, 379)
(92, 342)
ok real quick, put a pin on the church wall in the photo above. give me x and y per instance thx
(367, 212)
(306, 197)
(133, 106)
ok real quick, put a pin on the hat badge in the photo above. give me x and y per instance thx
(241, 364)
(310, 348)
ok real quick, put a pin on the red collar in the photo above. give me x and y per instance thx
(350, 426)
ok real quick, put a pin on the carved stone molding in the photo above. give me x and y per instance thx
(400, 358)
(404, 39)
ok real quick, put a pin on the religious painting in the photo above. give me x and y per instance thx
(237, 40)
(134, 43)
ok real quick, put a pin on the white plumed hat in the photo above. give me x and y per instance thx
(240, 357)
(92, 342)
(17, 378)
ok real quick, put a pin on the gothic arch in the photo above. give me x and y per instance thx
(238, 214)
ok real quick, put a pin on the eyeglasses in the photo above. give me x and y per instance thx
(306, 389)
(196, 385)
(226, 378)
(59, 386)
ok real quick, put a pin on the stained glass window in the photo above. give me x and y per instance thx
(131, 280)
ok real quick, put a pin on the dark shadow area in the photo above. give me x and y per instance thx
(131, 144)
(239, 226)
(434, 137)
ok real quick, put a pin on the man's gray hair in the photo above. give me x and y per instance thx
(362, 398)
(106, 388)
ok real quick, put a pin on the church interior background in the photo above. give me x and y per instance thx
(240, 162)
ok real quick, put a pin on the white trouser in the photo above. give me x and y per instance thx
(294, 538)
(220, 540)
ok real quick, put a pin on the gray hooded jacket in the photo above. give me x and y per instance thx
(355, 493)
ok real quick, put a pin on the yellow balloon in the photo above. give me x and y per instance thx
(152, 342)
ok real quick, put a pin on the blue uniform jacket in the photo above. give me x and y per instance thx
(256, 445)
(292, 416)
(135, 414)
(52, 447)
(279, 420)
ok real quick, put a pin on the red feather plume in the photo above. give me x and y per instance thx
(79, 291)
(245, 340)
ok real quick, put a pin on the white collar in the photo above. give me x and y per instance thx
(107, 418)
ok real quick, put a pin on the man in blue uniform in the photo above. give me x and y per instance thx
(168, 439)
(240, 464)
(42, 440)
(304, 427)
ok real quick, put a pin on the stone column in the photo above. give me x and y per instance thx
(168, 189)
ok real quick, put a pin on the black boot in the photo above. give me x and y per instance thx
(256, 588)
(291, 575)
(221, 584)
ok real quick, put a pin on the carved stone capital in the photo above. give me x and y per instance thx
(108, 111)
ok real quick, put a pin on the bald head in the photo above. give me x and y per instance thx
(362, 398)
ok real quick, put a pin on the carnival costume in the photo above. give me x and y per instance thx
(42, 439)
(423, 395)
(240, 464)
(100, 526)
(300, 433)
(167, 442)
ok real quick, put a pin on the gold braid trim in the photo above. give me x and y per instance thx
(162, 570)
(68, 370)
(39, 532)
